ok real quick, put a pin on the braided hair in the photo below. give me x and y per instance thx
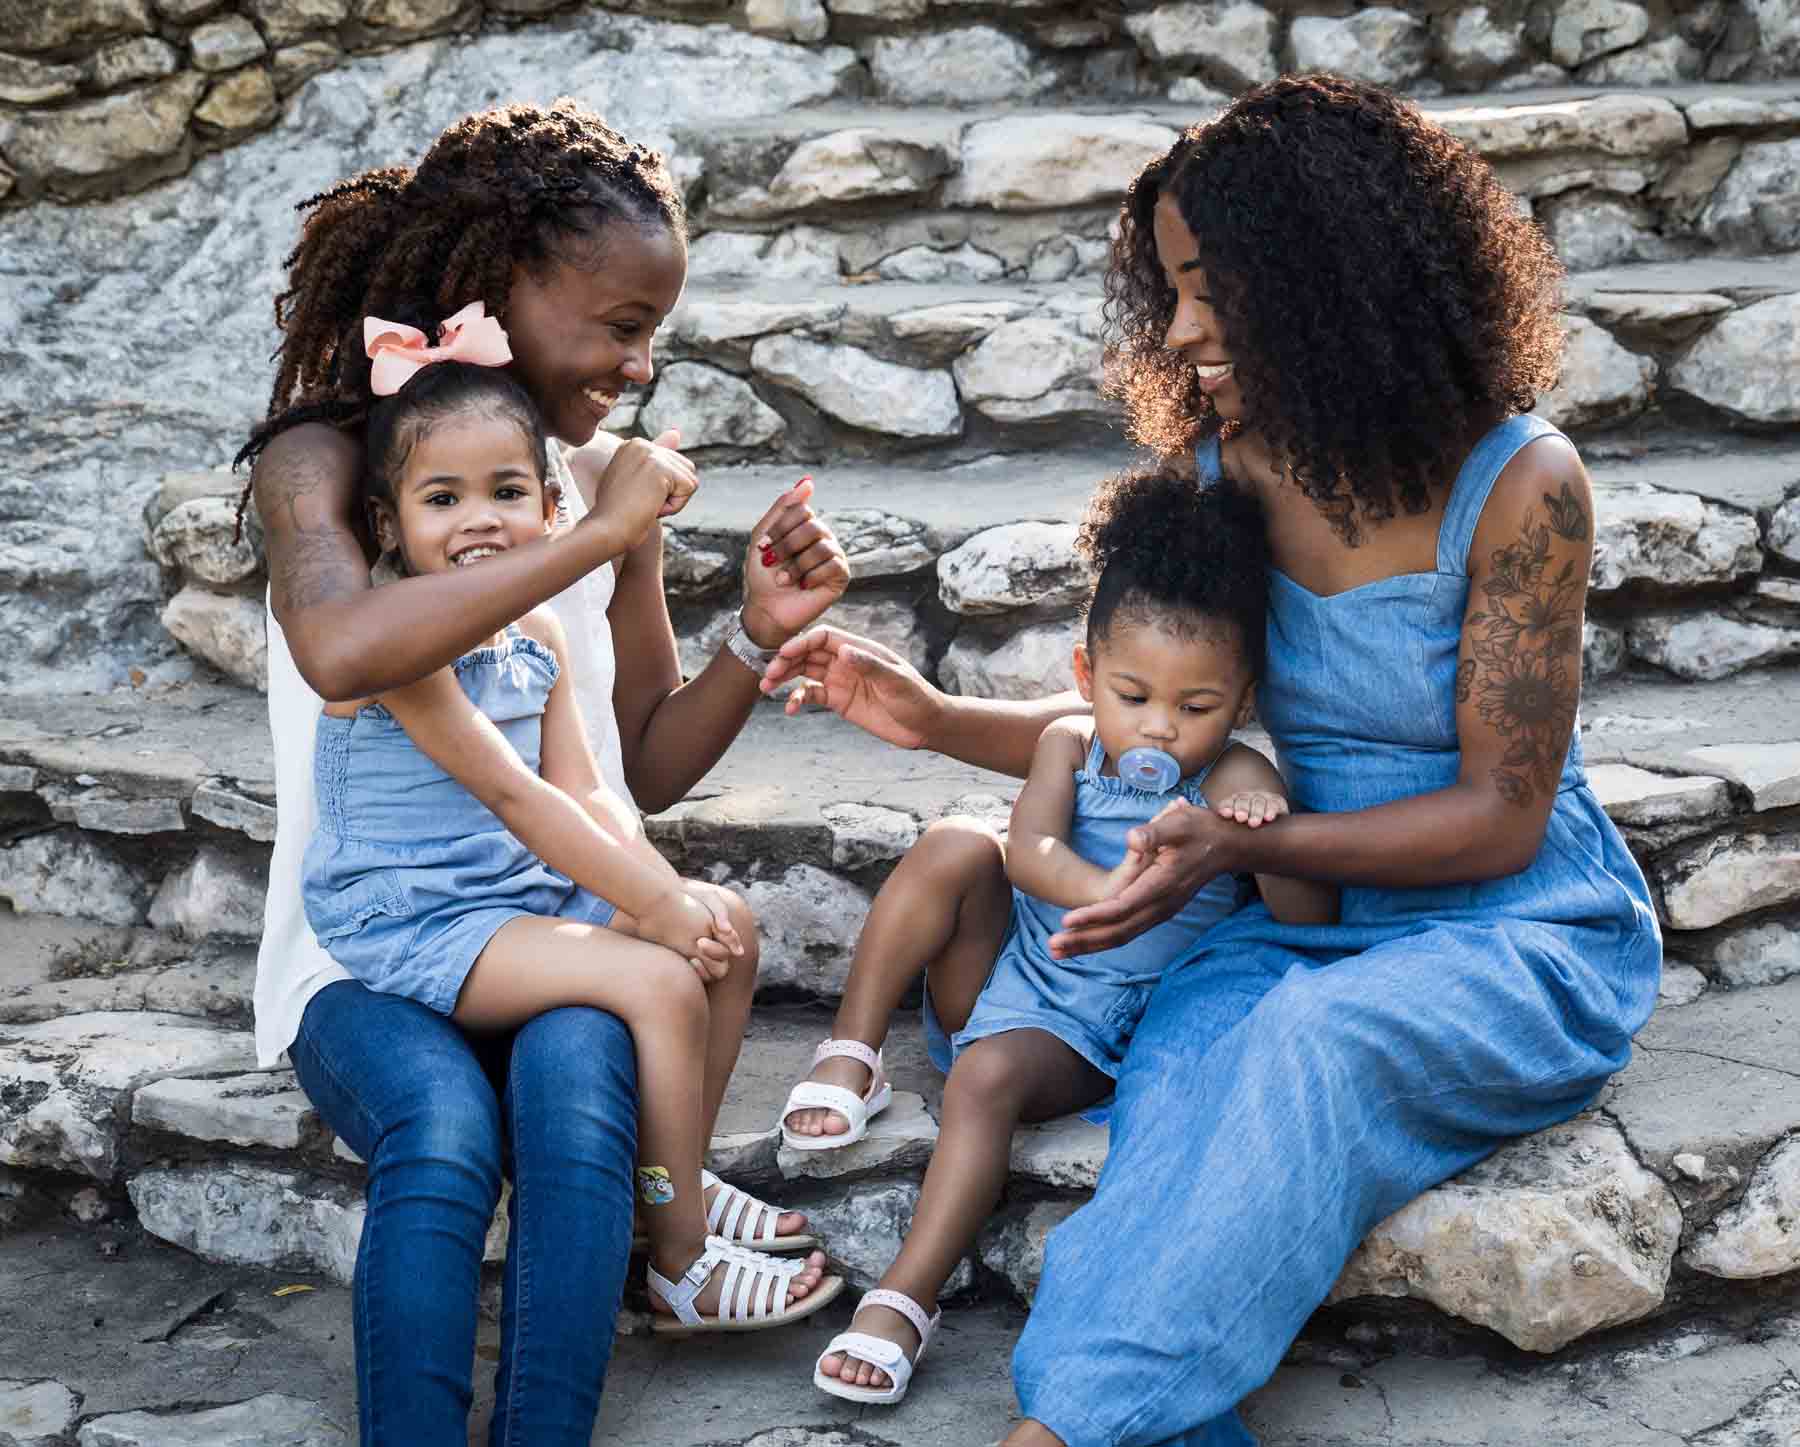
(513, 186)
(1192, 561)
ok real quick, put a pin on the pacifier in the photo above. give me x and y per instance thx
(1151, 770)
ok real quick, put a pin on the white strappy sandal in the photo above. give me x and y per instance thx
(857, 1109)
(734, 1215)
(752, 1297)
(880, 1353)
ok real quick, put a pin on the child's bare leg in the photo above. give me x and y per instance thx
(943, 912)
(532, 965)
(1023, 1075)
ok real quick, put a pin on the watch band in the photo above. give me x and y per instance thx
(742, 647)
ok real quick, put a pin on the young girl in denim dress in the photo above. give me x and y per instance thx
(1169, 662)
(469, 854)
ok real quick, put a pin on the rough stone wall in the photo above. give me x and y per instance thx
(105, 97)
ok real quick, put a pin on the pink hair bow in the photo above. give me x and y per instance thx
(397, 350)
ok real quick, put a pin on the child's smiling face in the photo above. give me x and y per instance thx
(468, 490)
(1154, 688)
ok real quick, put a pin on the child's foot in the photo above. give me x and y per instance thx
(877, 1321)
(746, 1225)
(751, 1283)
(839, 1070)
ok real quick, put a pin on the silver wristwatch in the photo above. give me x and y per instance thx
(742, 647)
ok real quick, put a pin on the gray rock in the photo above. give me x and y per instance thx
(1380, 44)
(1603, 651)
(1758, 1234)
(1233, 42)
(65, 874)
(1749, 364)
(1784, 531)
(1668, 61)
(1680, 985)
(956, 67)
(1643, 534)
(1637, 797)
(1707, 645)
(719, 255)
(127, 62)
(939, 333)
(1757, 206)
(865, 834)
(1046, 365)
(84, 149)
(267, 1110)
(809, 922)
(284, 21)
(1689, 180)
(1612, 126)
(1476, 45)
(881, 545)
(243, 101)
(1592, 230)
(215, 894)
(293, 65)
(708, 322)
(218, 804)
(1601, 381)
(31, 28)
(928, 264)
(691, 569)
(186, 12)
(801, 253)
(861, 389)
(248, 1215)
(895, 624)
(1777, 52)
(1559, 1234)
(864, 1226)
(226, 43)
(900, 1139)
(791, 19)
(711, 407)
(1758, 954)
(1584, 29)
(1065, 1154)
(1031, 663)
(36, 1414)
(858, 164)
(198, 538)
(1770, 773)
(225, 630)
(1019, 565)
(1669, 317)
(26, 82)
(1032, 163)
(1720, 879)
(1012, 1246)
(271, 1420)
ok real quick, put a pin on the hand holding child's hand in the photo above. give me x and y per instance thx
(718, 904)
(1135, 862)
(1253, 807)
(643, 482)
(681, 921)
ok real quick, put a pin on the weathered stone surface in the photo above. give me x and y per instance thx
(1784, 531)
(1626, 126)
(1668, 316)
(1644, 534)
(1234, 43)
(1668, 61)
(1603, 651)
(218, 804)
(691, 569)
(226, 43)
(1041, 366)
(242, 101)
(862, 390)
(1476, 45)
(956, 67)
(36, 1414)
(897, 624)
(1680, 985)
(1584, 29)
(294, 64)
(267, 1110)
(270, 1418)
(1065, 1153)
(900, 1139)
(69, 1081)
(879, 544)
(809, 921)
(226, 630)
(1029, 163)
(1019, 565)
(940, 333)
(865, 834)
(252, 1216)
(793, 19)
(1557, 1235)
(25, 82)
(126, 62)
(197, 538)
(707, 322)
(1757, 206)
(1379, 44)
(1720, 879)
(403, 18)
(1031, 663)
(186, 12)
(859, 164)
(1592, 230)
(1758, 954)
(1012, 1247)
(1777, 51)
(66, 874)
(215, 894)
(1770, 772)
(1748, 365)
(711, 407)
(1601, 381)
(1637, 797)
(1707, 645)
(31, 28)
(1758, 1234)
(865, 1226)
(928, 264)
(77, 150)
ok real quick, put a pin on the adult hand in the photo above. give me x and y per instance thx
(794, 571)
(1186, 847)
(859, 679)
(643, 482)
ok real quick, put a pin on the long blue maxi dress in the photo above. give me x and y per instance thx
(1292, 1085)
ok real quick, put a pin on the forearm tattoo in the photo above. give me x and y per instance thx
(1523, 667)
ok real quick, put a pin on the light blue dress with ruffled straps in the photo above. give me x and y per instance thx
(1291, 1085)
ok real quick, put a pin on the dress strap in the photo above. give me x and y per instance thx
(1096, 759)
(1475, 480)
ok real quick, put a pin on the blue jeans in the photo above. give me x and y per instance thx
(438, 1116)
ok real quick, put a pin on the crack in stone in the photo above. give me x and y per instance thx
(1722, 1059)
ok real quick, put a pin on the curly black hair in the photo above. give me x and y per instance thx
(1191, 560)
(1381, 294)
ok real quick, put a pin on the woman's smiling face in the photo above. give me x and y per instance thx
(1194, 330)
(581, 333)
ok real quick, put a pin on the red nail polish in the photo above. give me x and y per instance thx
(768, 557)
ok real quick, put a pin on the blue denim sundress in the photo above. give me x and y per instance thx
(1090, 1002)
(409, 875)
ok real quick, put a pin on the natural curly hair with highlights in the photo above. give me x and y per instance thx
(515, 186)
(1381, 294)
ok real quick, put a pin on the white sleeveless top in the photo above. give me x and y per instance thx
(291, 965)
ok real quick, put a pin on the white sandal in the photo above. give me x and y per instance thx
(857, 1109)
(880, 1353)
(733, 1215)
(752, 1297)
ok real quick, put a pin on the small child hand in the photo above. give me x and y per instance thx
(1135, 862)
(681, 922)
(717, 903)
(1253, 807)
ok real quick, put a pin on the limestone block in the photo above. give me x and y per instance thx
(1046, 365)
(931, 264)
(1591, 229)
(127, 62)
(285, 21)
(718, 255)
(57, 23)
(1066, 1154)
(1601, 381)
(1668, 61)
(1559, 1234)
(26, 82)
(879, 9)
(711, 407)
(1012, 1247)
(865, 1226)
(1689, 180)
(1031, 663)
(1680, 985)
(1475, 45)
(1625, 126)
(66, 874)
(1777, 53)
(197, 538)
(402, 18)
(242, 101)
(225, 630)
(880, 544)
(1670, 317)
(100, 811)
(1014, 566)
(1639, 798)
(219, 804)
(186, 12)
(792, 19)
(37, 1414)
(900, 1139)
(1062, 257)
(809, 920)
(938, 333)
(964, 66)
(896, 624)
(1784, 531)
(1758, 1234)
(295, 64)
(245, 1215)
(801, 253)
(84, 148)
(1707, 645)
(226, 43)
(266, 1110)
(1720, 109)
(1603, 650)
(1584, 29)
(1757, 206)
(1758, 954)
(270, 1418)
(865, 834)
(1191, 90)
(861, 390)
(215, 894)
(1380, 44)
(69, 1081)
(1719, 879)
(1036, 162)
(1749, 364)
(705, 323)
(1770, 772)
(1643, 534)
(1233, 42)
(858, 164)
(690, 568)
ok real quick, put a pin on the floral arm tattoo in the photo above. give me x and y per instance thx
(1522, 656)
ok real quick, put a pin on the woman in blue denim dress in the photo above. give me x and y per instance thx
(1328, 299)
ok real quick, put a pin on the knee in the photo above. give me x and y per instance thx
(958, 849)
(743, 967)
(447, 1137)
(985, 1080)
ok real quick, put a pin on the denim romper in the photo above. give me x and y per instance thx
(1089, 1002)
(409, 875)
